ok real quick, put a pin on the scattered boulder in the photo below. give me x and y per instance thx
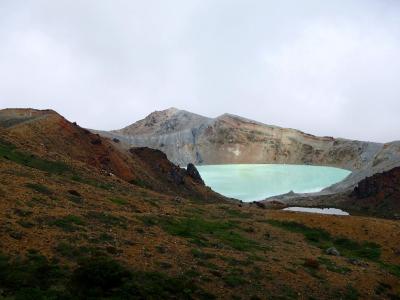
(178, 199)
(115, 140)
(332, 251)
(192, 171)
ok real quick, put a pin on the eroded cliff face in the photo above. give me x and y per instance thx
(189, 138)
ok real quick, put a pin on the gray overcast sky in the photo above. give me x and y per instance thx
(324, 67)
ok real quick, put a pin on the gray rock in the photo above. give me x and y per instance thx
(178, 199)
(332, 251)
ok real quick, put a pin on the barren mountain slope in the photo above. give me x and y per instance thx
(49, 135)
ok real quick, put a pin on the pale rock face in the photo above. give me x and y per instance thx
(190, 138)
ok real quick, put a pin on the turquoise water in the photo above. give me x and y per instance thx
(256, 182)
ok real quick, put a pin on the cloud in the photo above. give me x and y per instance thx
(325, 68)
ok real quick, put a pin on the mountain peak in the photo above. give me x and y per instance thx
(168, 111)
(164, 121)
(172, 109)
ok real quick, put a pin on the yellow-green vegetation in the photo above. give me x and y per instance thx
(347, 247)
(68, 223)
(118, 201)
(205, 232)
(324, 240)
(8, 151)
(39, 188)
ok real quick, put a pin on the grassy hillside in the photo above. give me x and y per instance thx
(76, 228)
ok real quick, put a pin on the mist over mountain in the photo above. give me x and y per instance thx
(324, 68)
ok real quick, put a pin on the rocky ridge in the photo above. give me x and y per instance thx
(48, 135)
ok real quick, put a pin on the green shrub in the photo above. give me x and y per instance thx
(8, 151)
(39, 188)
(33, 273)
(118, 201)
(365, 250)
(198, 230)
(37, 201)
(331, 266)
(92, 182)
(102, 277)
(140, 182)
(155, 285)
(234, 278)
(323, 239)
(107, 219)
(351, 293)
(315, 235)
(148, 220)
(197, 253)
(234, 213)
(75, 199)
(25, 224)
(236, 262)
(98, 277)
(68, 223)
(393, 269)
